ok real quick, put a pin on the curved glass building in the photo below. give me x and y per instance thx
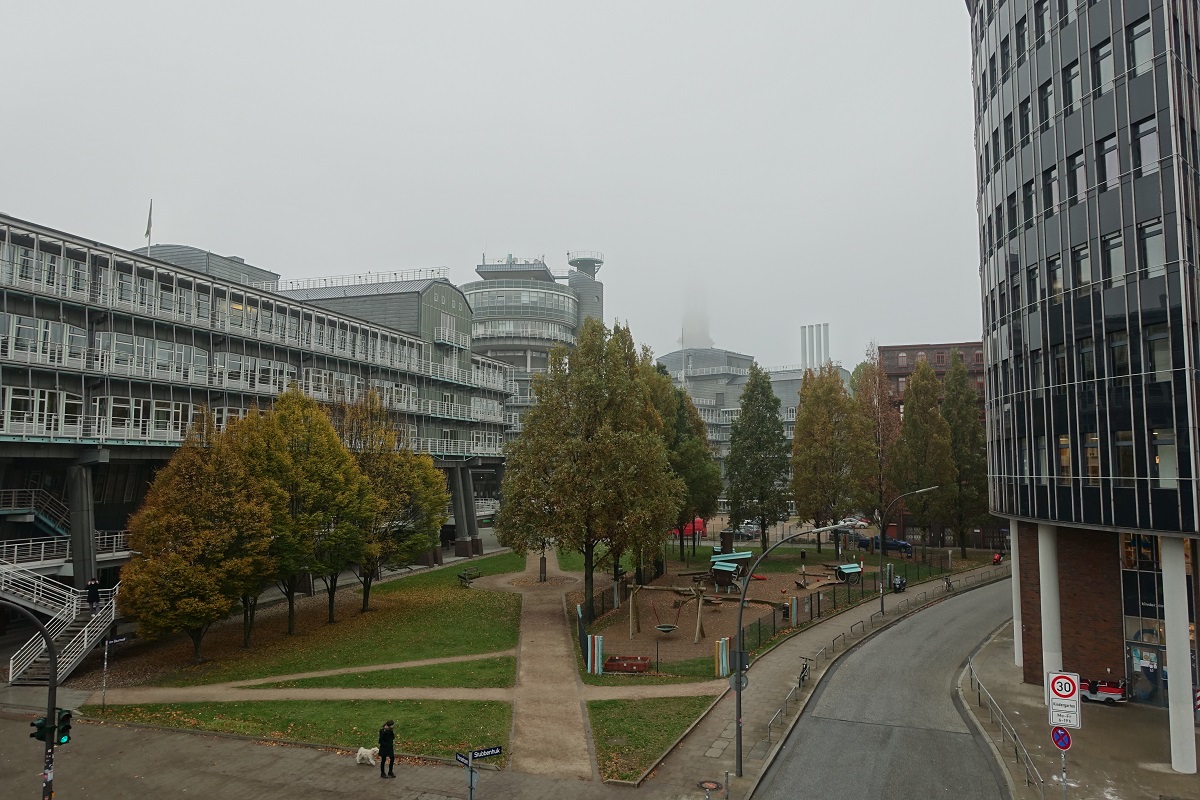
(1086, 133)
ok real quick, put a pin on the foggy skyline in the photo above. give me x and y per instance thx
(777, 164)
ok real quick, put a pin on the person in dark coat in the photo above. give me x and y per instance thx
(387, 749)
(93, 595)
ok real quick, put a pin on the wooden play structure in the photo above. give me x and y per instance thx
(689, 593)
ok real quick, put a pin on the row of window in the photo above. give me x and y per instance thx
(518, 298)
(1110, 267)
(1156, 362)
(1160, 468)
(939, 358)
(534, 329)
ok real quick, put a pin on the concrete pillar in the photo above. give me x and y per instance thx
(1048, 584)
(83, 524)
(1018, 643)
(468, 493)
(462, 535)
(1179, 657)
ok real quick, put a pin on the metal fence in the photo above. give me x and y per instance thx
(1008, 734)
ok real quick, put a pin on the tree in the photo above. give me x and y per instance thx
(686, 437)
(202, 538)
(921, 455)
(831, 449)
(757, 464)
(409, 495)
(880, 411)
(590, 469)
(968, 500)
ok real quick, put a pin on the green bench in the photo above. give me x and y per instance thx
(467, 575)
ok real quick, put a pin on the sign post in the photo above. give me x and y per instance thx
(1062, 740)
(468, 761)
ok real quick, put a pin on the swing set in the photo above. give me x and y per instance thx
(667, 628)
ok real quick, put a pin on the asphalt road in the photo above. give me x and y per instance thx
(885, 723)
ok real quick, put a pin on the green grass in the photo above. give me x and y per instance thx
(489, 673)
(693, 670)
(423, 616)
(630, 735)
(423, 727)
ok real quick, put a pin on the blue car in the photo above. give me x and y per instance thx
(898, 545)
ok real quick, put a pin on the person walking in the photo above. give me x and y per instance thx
(93, 595)
(387, 749)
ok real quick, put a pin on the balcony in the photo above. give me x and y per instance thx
(452, 337)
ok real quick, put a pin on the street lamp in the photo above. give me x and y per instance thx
(883, 540)
(737, 686)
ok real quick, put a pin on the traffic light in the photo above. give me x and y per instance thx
(64, 726)
(39, 726)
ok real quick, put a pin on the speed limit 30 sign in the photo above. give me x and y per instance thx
(1063, 694)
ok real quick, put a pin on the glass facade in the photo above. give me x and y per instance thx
(1088, 225)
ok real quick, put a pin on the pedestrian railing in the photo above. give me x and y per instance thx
(1008, 734)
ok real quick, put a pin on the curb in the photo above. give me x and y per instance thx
(966, 706)
(774, 751)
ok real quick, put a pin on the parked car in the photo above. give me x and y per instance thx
(747, 532)
(853, 522)
(863, 541)
(898, 545)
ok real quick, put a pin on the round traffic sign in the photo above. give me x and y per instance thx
(1063, 686)
(1061, 738)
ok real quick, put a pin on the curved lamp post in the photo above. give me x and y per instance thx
(737, 688)
(51, 699)
(883, 540)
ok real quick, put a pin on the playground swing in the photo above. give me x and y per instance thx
(666, 627)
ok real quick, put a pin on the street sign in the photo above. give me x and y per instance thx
(1061, 738)
(486, 752)
(738, 680)
(1063, 694)
(460, 758)
(117, 640)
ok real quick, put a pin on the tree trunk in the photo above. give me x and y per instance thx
(762, 530)
(331, 582)
(818, 538)
(249, 606)
(367, 582)
(589, 608)
(682, 545)
(197, 636)
(288, 586)
(962, 543)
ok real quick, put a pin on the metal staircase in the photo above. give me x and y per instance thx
(50, 511)
(73, 628)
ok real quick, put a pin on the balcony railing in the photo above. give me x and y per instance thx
(452, 337)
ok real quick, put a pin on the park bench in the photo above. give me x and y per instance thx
(626, 663)
(467, 575)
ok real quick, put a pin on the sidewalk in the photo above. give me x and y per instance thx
(1121, 751)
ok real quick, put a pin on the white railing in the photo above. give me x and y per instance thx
(45, 595)
(452, 337)
(82, 643)
(23, 551)
(39, 501)
(454, 447)
(26, 425)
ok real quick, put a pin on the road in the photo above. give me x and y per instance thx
(884, 724)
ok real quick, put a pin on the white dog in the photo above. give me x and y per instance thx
(366, 756)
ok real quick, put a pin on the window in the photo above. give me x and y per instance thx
(1029, 203)
(940, 358)
(1118, 358)
(1041, 19)
(1005, 56)
(1008, 136)
(1102, 67)
(992, 74)
(1012, 214)
(1076, 178)
(978, 356)
(1164, 469)
(1054, 274)
(1059, 353)
(1158, 353)
(1025, 113)
(1072, 87)
(1145, 147)
(1039, 453)
(1046, 105)
(996, 157)
(1091, 457)
(921, 357)
(1123, 463)
(900, 386)
(1022, 43)
(1064, 460)
(1032, 286)
(1066, 11)
(1112, 259)
(1081, 267)
(1035, 373)
(1108, 164)
(1087, 359)
(902, 360)
(1140, 45)
(1050, 190)
(1152, 249)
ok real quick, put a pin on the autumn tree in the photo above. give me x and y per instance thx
(686, 438)
(590, 469)
(880, 412)
(201, 538)
(967, 504)
(831, 449)
(409, 494)
(757, 465)
(921, 455)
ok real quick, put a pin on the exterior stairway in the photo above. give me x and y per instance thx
(46, 509)
(72, 627)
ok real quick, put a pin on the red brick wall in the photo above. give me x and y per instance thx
(1031, 604)
(1089, 579)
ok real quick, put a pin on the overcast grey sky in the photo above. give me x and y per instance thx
(773, 163)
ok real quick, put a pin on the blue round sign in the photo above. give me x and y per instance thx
(1061, 737)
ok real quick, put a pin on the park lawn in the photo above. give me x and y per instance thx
(423, 616)
(630, 735)
(436, 728)
(498, 673)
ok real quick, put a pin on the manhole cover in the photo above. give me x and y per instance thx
(710, 785)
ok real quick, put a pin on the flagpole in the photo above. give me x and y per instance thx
(149, 226)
